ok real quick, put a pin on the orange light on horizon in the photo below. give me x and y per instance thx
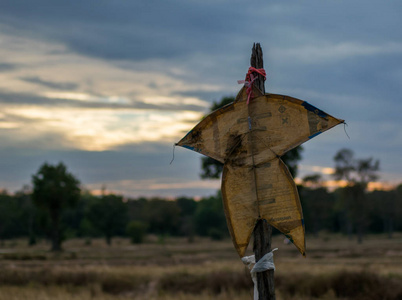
(332, 185)
(380, 186)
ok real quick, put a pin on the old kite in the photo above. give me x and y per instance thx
(249, 137)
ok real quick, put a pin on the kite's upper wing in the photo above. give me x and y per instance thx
(283, 123)
(219, 132)
(287, 122)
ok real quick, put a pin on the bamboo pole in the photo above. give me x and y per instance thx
(262, 230)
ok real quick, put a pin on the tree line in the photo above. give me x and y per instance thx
(56, 209)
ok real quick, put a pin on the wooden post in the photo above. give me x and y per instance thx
(262, 230)
(257, 62)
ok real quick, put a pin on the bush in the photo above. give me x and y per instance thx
(136, 231)
(216, 234)
(345, 285)
(214, 283)
(120, 284)
(367, 286)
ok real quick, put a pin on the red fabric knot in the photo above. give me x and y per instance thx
(250, 78)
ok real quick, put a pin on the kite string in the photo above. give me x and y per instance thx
(174, 147)
(344, 128)
(250, 78)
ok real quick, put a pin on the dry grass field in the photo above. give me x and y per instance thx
(335, 268)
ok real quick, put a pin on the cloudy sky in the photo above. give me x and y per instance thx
(107, 87)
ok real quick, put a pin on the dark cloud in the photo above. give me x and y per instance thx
(122, 30)
(205, 95)
(138, 30)
(138, 162)
(7, 117)
(67, 86)
(28, 99)
(4, 67)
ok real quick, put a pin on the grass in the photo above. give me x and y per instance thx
(335, 268)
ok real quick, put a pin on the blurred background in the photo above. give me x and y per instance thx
(93, 96)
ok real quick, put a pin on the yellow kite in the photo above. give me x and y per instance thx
(249, 138)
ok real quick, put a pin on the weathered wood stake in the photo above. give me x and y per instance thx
(262, 231)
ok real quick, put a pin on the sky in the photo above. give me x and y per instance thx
(108, 87)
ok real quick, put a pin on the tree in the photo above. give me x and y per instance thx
(211, 168)
(162, 216)
(357, 173)
(109, 215)
(398, 211)
(187, 207)
(55, 189)
(27, 213)
(136, 230)
(317, 204)
(7, 212)
(384, 208)
(210, 218)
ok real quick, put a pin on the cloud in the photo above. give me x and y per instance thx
(329, 53)
(4, 67)
(198, 184)
(133, 170)
(87, 101)
(167, 187)
(94, 129)
(317, 169)
(50, 84)
(109, 30)
(177, 29)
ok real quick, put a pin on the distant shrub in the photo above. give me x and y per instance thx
(136, 231)
(118, 284)
(303, 285)
(109, 282)
(216, 234)
(367, 286)
(215, 283)
(24, 256)
(345, 285)
(45, 276)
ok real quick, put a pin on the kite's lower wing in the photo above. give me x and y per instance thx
(240, 204)
(266, 191)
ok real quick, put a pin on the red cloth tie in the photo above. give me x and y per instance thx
(250, 78)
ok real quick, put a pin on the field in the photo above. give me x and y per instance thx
(335, 268)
